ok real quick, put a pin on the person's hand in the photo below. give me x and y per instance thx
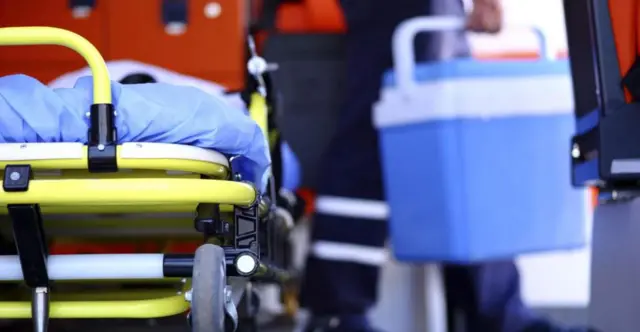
(486, 16)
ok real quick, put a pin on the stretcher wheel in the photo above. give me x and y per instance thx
(208, 295)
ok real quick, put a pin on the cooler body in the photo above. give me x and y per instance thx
(475, 161)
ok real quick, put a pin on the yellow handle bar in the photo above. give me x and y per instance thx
(56, 36)
(259, 113)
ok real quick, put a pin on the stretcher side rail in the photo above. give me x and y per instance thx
(129, 156)
(114, 304)
(147, 191)
(146, 308)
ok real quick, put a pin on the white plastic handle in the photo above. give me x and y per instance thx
(405, 33)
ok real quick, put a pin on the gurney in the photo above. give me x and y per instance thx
(123, 171)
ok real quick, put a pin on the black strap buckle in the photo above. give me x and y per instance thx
(17, 178)
(102, 144)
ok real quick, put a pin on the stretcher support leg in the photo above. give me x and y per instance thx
(40, 309)
(28, 234)
(30, 241)
(248, 309)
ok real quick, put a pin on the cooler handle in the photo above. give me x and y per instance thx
(405, 33)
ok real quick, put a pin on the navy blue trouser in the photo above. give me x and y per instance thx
(349, 230)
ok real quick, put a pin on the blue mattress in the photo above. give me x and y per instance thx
(162, 113)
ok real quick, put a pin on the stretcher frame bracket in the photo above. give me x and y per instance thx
(246, 221)
(209, 222)
(102, 139)
(604, 152)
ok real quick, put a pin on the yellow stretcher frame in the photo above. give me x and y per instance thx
(118, 194)
(55, 36)
(154, 304)
(147, 191)
(184, 165)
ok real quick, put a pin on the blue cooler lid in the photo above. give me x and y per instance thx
(471, 68)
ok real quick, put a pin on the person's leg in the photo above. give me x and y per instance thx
(488, 296)
(349, 229)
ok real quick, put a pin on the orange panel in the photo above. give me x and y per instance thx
(44, 71)
(311, 16)
(594, 197)
(326, 16)
(309, 198)
(515, 55)
(211, 48)
(48, 62)
(55, 13)
(624, 22)
(61, 247)
(292, 18)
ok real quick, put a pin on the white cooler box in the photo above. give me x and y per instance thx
(476, 155)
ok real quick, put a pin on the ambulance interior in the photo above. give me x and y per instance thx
(304, 40)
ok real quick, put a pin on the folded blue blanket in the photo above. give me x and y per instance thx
(162, 113)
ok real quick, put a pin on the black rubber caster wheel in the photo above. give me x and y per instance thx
(208, 294)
